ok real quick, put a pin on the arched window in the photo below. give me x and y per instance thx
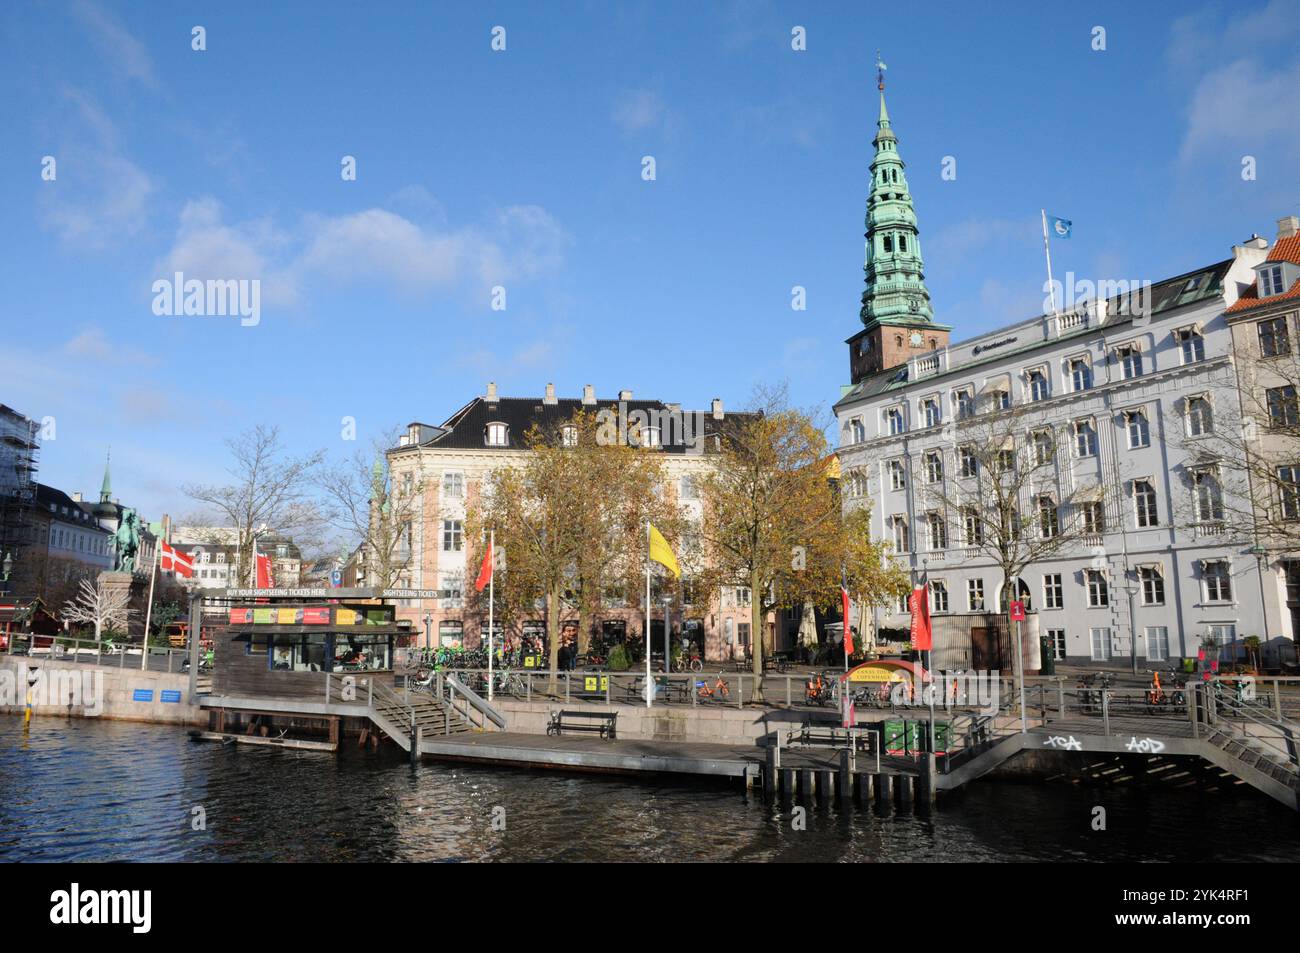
(497, 435)
(902, 243)
(888, 244)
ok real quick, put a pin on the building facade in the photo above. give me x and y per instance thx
(1116, 401)
(447, 466)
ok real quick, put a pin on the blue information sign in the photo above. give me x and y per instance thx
(142, 695)
(170, 697)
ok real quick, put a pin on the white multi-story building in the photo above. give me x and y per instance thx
(1114, 398)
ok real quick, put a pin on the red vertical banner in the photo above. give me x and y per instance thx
(920, 604)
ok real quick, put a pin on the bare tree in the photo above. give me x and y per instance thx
(101, 606)
(270, 491)
(364, 501)
(999, 483)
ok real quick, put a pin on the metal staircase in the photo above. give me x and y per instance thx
(449, 708)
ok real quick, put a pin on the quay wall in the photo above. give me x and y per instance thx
(105, 691)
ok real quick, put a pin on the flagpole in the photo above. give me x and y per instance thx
(649, 685)
(148, 609)
(492, 594)
(1047, 250)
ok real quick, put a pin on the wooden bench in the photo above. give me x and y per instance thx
(603, 723)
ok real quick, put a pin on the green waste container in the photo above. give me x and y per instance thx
(895, 737)
(1045, 651)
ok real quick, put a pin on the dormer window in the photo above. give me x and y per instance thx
(497, 435)
(649, 436)
(1270, 281)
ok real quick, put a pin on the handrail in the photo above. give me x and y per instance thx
(486, 711)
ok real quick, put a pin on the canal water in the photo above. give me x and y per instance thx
(93, 790)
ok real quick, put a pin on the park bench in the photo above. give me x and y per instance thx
(666, 689)
(601, 722)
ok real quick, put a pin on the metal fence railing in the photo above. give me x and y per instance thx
(161, 658)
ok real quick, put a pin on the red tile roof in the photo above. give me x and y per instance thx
(1284, 249)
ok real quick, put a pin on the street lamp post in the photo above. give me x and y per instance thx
(428, 637)
(668, 642)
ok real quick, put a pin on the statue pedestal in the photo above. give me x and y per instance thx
(117, 580)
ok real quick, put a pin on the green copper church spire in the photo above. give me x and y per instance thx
(106, 488)
(895, 273)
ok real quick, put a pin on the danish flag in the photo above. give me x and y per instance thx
(180, 563)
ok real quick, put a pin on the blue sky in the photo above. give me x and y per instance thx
(522, 169)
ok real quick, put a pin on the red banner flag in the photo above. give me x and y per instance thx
(920, 605)
(848, 631)
(172, 561)
(485, 572)
(265, 575)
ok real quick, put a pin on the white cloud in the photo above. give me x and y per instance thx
(373, 246)
(1217, 120)
(99, 195)
(91, 344)
(115, 42)
(639, 109)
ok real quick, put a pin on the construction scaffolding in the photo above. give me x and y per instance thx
(19, 454)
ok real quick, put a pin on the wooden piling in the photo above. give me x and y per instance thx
(807, 787)
(884, 791)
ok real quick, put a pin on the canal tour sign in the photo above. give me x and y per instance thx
(332, 593)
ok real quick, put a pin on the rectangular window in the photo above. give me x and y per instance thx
(938, 595)
(965, 404)
(1037, 386)
(1080, 374)
(933, 467)
(1098, 589)
(1274, 338)
(1043, 447)
(930, 408)
(1207, 497)
(1056, 639)
(1283, 408)
(975, 595)
(1085, 438)
(453, 485)
(973, 527)
(744, 597)
(1200, 417)
(1100, 639)
(1048, 524)
(1139, 430)
(967, 465)
(895, 421)
(453, 536)
(1144, 501)
(1094, 517)
(897, 475)
(1053, 591)
(937, 530)
(1270, 281)
(1217, 578)
(902, 539)
(1288, 483)
(1130, 361)
(1153, 586)
(1191, 344)
(858, 432)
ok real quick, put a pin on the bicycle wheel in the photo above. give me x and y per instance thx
(696, 665)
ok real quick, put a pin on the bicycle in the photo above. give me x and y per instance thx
(688, 662)
(720, 691)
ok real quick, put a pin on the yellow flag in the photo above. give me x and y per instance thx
(662, 553)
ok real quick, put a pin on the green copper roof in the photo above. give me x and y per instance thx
(106, 488)
(895, 271)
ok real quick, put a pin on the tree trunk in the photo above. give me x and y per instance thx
(756, 615)
(553, 635)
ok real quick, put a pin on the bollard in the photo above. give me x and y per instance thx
(905, 791)
(825, 787)
(415, 744)
(787, 784)
(884, 792)
(771, 769)
(807, 787)
(864, 789)
(925, 783)
(846, 776)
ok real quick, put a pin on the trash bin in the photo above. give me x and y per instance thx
(895, 737)
(1045, 653)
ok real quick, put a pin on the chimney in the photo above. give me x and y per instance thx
(717, 408)
(625, 395)
(588, 394)
(492, 392)
(76, 497)
(550, 395)
(1287, 226)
